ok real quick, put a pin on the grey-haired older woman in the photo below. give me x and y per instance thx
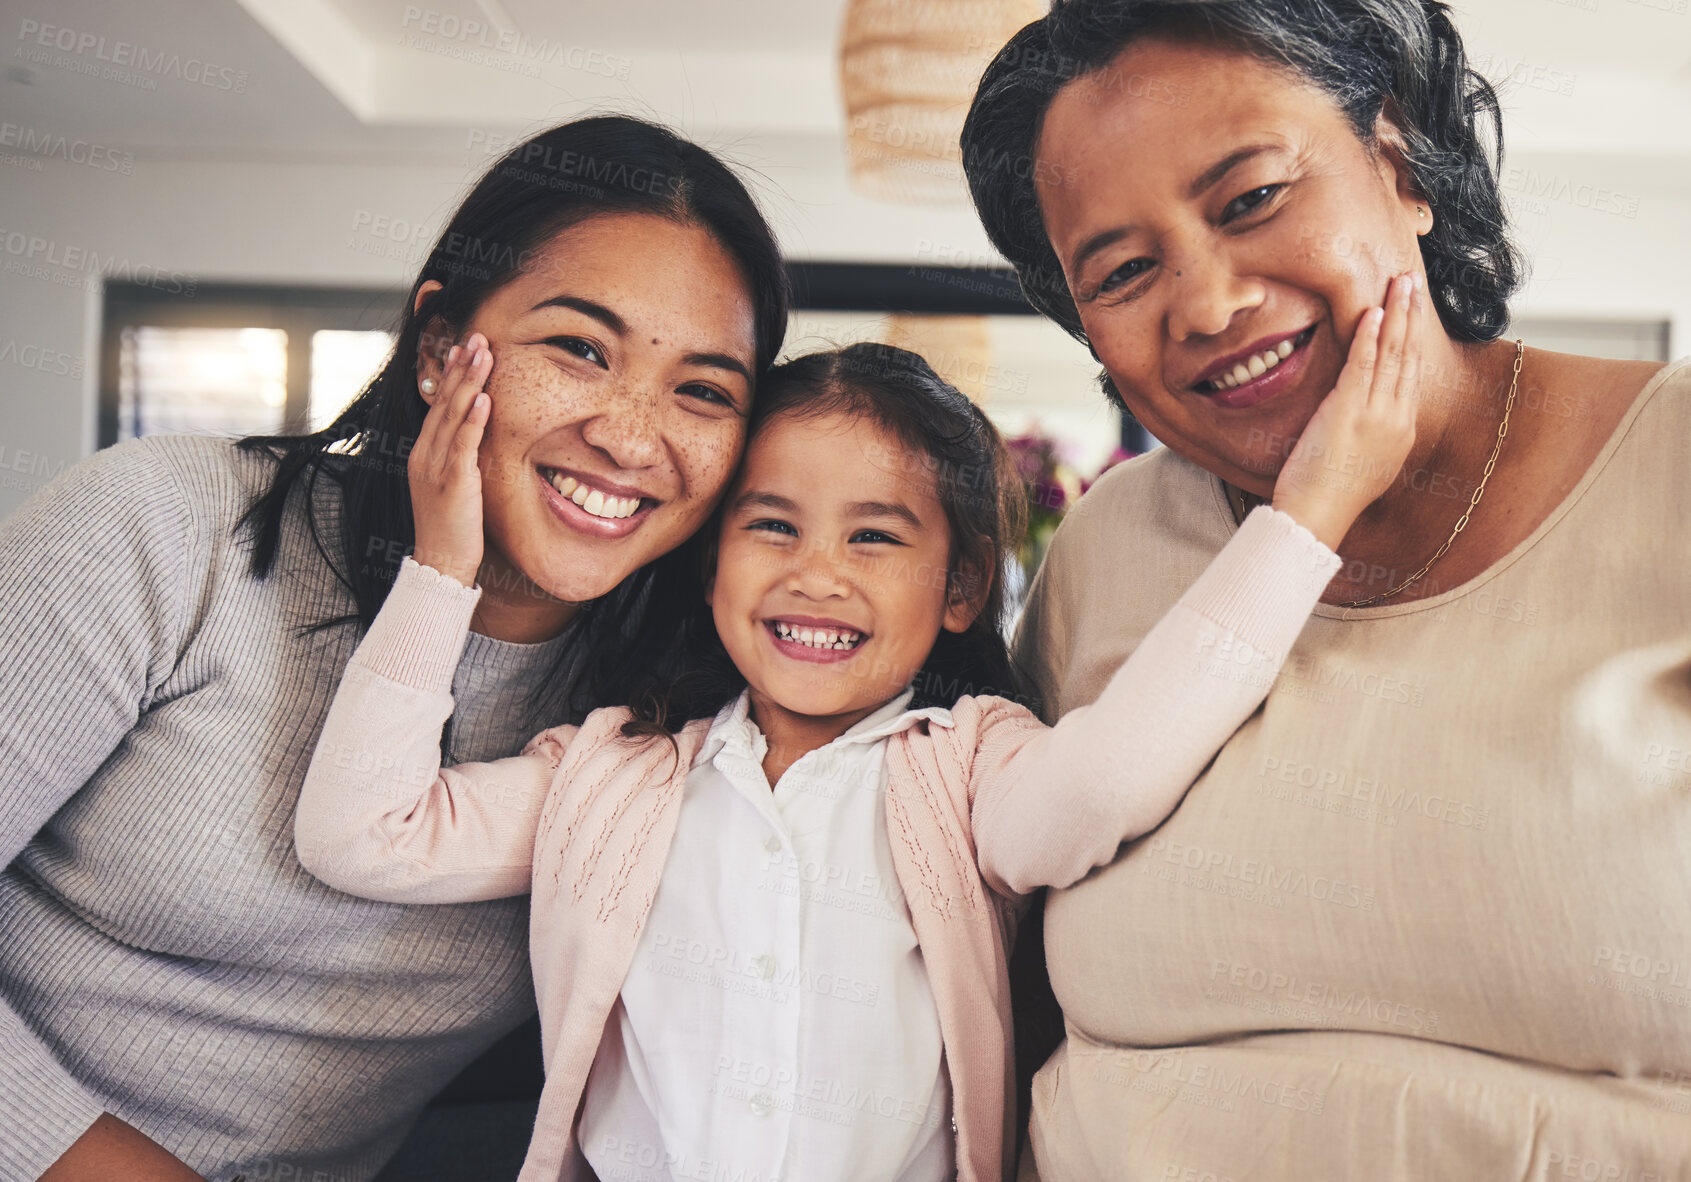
(1428, 913)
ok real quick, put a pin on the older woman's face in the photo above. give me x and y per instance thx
(1244, 219)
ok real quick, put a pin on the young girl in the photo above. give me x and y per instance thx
(772, 902)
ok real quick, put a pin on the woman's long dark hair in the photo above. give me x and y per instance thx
(607, 164)
(945, 442)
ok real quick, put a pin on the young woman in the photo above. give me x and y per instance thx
(772, 902)
(176, 994)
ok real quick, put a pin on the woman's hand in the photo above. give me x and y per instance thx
(109, 1149)
(1357, 440)
(445, 481)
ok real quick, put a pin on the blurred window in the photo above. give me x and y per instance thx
(237, 360)
(223, 381)
(342, 363)
(1627, 340)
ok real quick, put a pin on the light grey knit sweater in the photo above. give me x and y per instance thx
(163, 956)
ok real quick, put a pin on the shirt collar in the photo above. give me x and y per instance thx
(734, 729)
(894, 718)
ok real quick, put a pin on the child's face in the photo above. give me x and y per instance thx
(826, 532)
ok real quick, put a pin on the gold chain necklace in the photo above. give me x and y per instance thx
(1502, 431)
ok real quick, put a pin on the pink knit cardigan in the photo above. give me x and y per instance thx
(978, 810)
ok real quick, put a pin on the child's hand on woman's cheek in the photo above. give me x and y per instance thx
(445, 479)
(1359, 437)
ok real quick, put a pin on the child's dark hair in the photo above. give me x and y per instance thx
(944, 438)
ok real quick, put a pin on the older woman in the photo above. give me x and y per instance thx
(1427, 914)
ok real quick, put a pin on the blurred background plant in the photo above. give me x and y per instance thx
(1053, 486)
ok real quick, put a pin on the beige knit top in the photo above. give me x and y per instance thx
(1428, 913)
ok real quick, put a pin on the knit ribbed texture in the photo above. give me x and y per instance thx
(163, 955)
(420, 646)
(1285, 562)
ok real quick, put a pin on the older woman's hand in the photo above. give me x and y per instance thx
(1357, 440)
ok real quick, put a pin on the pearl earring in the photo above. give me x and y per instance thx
(427, 385)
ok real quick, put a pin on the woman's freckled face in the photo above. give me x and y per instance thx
(622, 361)
(1195, 261)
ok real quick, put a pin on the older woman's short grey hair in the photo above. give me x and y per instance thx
(1403, 57)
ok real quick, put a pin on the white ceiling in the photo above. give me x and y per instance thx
(736, 24)
(519, 62)
(382, 78)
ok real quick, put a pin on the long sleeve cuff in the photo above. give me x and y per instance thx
(43, 1108)
(1272, 558)
(419, 635)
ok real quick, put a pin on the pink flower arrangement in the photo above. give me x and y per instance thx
(1053, 485)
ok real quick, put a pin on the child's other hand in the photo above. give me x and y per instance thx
(445, 480)
(1360, 435)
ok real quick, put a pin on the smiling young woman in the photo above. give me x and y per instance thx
(177, 996)
(621, 293)
(617, 408)
(1213, 196)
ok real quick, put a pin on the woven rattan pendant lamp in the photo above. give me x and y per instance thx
(908, 69)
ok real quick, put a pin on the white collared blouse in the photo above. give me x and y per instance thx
(777, 1021)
